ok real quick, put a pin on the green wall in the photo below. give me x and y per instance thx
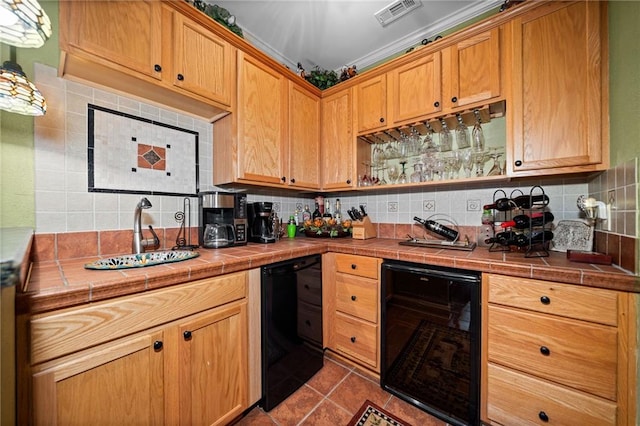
(17, 200)
(624, 80)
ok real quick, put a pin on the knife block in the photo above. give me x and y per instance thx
(363, 229)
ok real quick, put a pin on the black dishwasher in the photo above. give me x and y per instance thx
(431, 339)
(291, 326)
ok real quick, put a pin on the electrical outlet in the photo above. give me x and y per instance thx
(392, 206)
(611, 197)
(429, 206)
(276, 206)
(486, 232)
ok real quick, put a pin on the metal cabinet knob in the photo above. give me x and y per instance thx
(436, 104)
(180, 77)
(157, 345)
(545, 300)
(187, 335)
(543, 416)
(518, 163)
(354, 266)
(353, 339)
(353, 298)
(545, 351)
(157, 68)
(454, 99)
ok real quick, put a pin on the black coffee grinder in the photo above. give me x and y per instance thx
(260, 222)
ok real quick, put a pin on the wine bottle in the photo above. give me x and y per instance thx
(521, 202)
(306, 213)
(511, 238)
(327, 211)
(337, 213)
(316, 213)
(436, 228)
(523, 221)
(535, 237)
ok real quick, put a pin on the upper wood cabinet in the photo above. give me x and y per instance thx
(304, 138)
(273, 139)
(558, 113)
(370, 104)
(125, 33)
(151, 50)
(415, 89)
(471, 70)
(337, 147)
(204, 63)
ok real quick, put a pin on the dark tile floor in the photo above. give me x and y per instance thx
(332, 397)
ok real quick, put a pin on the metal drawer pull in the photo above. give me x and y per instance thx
(545, 300)
(545, 351)
(353, 339)
(543, 416)
(353, 298)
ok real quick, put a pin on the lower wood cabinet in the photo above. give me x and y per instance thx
(188, 366)
(351, 304)
(557, 353)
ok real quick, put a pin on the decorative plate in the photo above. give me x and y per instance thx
(127, 261)
(572, 235)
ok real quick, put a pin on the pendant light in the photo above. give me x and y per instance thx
(17, 93)
(23, 23)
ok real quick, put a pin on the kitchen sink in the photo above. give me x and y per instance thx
(127, 261)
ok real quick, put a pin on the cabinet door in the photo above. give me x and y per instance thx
(127, 33)
(262, 106)
(557, 104)
(338, 144)
(304, 138)
(213, 365)
(371, 104)
(472, 70)
(203, 62)
(414, 89)
(117, 383)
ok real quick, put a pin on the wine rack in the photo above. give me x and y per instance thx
(532, 239)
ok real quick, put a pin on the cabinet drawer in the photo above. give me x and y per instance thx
(310, 322)
(574, 353)
(358, 265)
(309, 285)
(357, 339)
(357, 296)
(517, 399)
(589, 304)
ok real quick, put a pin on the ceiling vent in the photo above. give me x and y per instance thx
(395, 10)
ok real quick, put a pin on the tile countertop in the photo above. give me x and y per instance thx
(65, 283)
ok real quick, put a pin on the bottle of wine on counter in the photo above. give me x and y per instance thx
(316, 212)
(520, 202)
(327, 210)
(435, 227)
(523, 221)
(306, 213)
(511, 238)
(337, 214)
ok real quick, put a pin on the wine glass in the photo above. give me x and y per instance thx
(428, 144)
(467, 162)
(477, 136)
(445, 137)
(495, 155)
(403, 176)
(462, 133)
(480, 158)
(377, 158)
(393, 172)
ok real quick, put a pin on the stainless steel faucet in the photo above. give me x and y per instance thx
(140, 243)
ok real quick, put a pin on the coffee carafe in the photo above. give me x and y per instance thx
(261, 223)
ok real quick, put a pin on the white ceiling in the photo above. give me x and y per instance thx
(333, 34)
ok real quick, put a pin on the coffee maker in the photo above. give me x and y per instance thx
(261, 223)
(222, 209)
